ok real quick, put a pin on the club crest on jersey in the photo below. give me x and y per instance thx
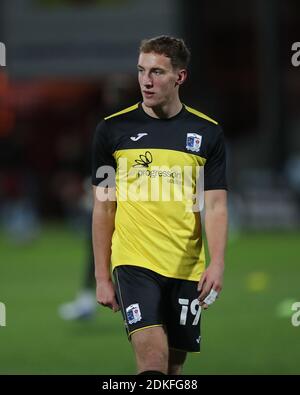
(193, 142)
(133, 313)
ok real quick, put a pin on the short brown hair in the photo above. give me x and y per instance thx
(173, 48)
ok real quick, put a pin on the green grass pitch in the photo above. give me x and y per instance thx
(247, 331)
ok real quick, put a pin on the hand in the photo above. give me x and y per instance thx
(212, 278)
(106, 295)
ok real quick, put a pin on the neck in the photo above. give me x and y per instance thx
(168, 110)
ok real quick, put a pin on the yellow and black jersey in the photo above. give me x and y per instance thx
(155, 165)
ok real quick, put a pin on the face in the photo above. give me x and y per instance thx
(159, 81)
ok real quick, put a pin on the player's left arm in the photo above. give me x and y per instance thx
(216, 232)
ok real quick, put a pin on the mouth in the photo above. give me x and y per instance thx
(148, 94)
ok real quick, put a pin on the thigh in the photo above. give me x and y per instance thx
(183, 316)
(151, 349)
(139, 292)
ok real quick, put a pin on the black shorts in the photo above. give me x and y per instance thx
(149, 299)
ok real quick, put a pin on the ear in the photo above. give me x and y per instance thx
(181, 76)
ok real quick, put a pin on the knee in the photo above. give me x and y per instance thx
(156, 359)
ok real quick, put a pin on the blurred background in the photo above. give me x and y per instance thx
(69, 63)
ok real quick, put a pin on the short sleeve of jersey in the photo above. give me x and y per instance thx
(103, 162)
(215, 167)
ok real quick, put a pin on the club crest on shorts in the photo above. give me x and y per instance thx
(133, 313)
(193, 142)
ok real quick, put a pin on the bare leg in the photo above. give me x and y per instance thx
(176, 361)
(151, 349)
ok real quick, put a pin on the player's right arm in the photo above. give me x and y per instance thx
(103, 179)
(103, 228)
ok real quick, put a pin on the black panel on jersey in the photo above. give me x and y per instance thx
(115, 134)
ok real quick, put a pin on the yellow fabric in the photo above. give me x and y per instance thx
(162, 236)
(140, 329)
(200, 114)
(128, 109)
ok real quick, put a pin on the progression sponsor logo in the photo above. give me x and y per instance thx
(158, 183)
(144, 161)
(157, 171)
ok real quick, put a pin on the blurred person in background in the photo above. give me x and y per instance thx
(84, 305)
(115, 89)
(154, 248)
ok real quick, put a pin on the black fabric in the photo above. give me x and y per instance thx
(151, 373)
(115, 134)
(169, 302)
(102, 154)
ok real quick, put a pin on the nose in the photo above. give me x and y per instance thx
(147, 81)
